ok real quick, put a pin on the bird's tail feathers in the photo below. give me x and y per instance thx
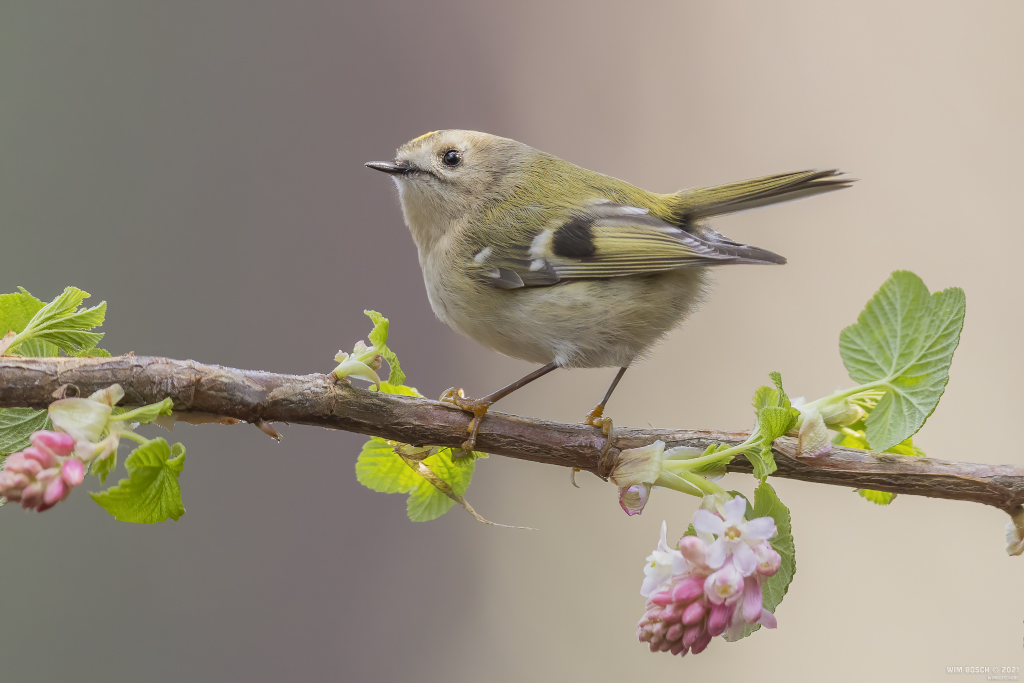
(699, 203)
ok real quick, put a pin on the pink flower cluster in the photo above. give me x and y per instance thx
(44, 473)
(710, 584)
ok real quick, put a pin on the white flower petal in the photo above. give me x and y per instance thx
(744, 559)
(735, 509)
(717, 552)
(708, 523)
(758, 529)
(80, 417)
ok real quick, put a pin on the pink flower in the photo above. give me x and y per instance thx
(705, 588)
(43, 474)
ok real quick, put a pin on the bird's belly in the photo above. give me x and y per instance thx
(584, 324)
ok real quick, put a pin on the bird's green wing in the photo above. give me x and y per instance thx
(608, 240)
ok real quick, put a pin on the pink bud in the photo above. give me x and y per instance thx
(655, 643)
(72, 472)
(672, 612)
(662, 598)
(694, 612)
(688, 589)
(690, 635)
(674, 633)
(32, 496)
(55, 491)
(40, 455)
(17, 462)
(751, 600)
(679, 649)
(659, 628)
(48, 475)
(768, 559)
(59, 444)
(701, 643)
(12, 495)
(718, 619)
(694, 550)
(12, 480)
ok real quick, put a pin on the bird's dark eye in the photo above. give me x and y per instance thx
(452, 158)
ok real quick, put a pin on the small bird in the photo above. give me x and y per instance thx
(544, 261)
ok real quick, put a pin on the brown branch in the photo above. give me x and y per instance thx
(323, 401)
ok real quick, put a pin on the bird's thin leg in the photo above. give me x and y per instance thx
(479, 406)
(595, 416)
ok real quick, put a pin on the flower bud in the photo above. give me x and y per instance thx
(693, 613)
(718, 619)
(55, 492)
(752, 600)
(43, 456)
(813, 439)
(768, 559)
(55, 442)
(32, 496)
(72, 472)
(635, 471)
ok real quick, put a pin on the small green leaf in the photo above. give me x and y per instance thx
(427, 502)
(17, 425)
(400, 389)
(102, 467)
(59, 323)
(767, 504)
(145, 414)
(381, 469)
(378, 467)
(16, 310)
(379, 338)
(904, 340)
(878, 497)
(151, 493)
(775, 417)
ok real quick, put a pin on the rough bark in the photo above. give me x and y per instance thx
(252, 396)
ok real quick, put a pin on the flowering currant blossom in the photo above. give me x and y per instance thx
(44, 473)
(711, 583)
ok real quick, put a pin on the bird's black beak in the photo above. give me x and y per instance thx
(393, 167)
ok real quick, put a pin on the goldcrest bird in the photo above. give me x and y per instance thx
(544, 261)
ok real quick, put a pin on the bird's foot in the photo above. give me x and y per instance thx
(596, 418)
(477, 406)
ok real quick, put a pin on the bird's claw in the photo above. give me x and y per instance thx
(457, 399)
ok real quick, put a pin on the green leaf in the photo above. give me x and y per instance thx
(151, 493)
(16, 310)
(427, 502)
(378, 467)
(379, 338)
(145, 414)
(381, 469)
(60, 323)
(401, 389)
(17, 424)
(775, 417)
(102, 467)
(767, 504)
(903, 341)
(878, 497)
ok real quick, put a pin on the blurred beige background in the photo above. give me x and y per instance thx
(199, 166)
